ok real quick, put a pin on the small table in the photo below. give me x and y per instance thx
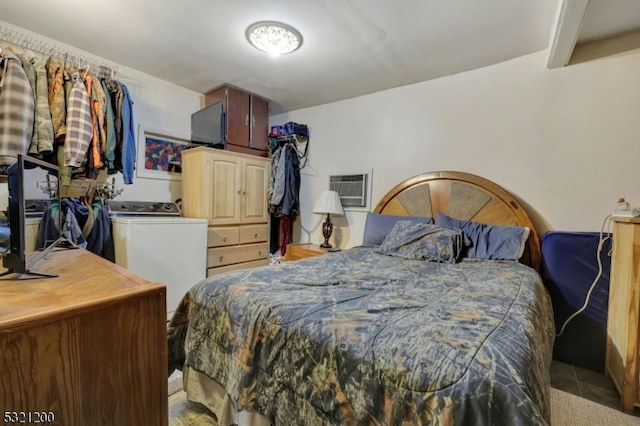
(300, 251)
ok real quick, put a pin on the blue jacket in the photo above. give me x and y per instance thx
(128, 137)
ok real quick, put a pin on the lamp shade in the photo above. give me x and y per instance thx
(329, 202)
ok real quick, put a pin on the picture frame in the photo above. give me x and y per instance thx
(159, 154)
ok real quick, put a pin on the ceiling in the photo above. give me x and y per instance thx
(350, 48)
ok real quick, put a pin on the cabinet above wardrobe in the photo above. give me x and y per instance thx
(246, 119)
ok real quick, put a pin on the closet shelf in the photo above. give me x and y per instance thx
(281, 140)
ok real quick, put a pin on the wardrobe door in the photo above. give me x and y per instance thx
(259, 123)
(238, 119)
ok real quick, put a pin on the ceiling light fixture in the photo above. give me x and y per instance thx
(275, 38)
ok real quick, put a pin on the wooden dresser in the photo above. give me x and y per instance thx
(622, 361)
(88, 347)
(230, 191)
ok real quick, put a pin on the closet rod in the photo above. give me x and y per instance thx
(47, 48)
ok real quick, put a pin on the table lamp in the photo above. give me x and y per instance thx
(328, 203)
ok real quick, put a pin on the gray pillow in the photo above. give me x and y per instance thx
(492, 242)
(423, 241)
(378, 226)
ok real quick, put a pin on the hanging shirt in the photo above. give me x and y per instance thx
(128, 137)
(116, 99)
(16, 109)
(96, 155)
(110, 147)
(30, 72)
(56, 76)
(43, 113)
(79, 127)
(290, 203)
(100, 109)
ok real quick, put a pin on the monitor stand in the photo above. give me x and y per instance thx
(34, 274)
(61, 242)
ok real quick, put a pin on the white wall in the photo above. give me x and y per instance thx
(164, 108)
(565, 141)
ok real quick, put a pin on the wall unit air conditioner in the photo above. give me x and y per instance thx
(354, 188)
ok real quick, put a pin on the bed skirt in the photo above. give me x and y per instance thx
(204, 390)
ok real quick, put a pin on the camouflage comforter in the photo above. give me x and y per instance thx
(359, 338)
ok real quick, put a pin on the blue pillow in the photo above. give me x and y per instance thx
(493, 242)
(378, 226)
(423, 241)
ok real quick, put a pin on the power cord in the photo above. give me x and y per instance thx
(309, 232)
(602, 240)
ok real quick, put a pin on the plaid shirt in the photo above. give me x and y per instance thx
(17, 103)
(79, 125)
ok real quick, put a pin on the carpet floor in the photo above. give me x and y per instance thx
(566, 410)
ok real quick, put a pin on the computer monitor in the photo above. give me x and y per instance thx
(26, 177)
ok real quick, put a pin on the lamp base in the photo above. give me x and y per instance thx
(327, 229)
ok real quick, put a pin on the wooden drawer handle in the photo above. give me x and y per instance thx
(221, 258)
(224, 238)
(255, 235)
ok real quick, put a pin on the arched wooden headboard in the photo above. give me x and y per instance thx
(462, 196)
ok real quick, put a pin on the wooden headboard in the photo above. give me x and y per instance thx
(462, 196)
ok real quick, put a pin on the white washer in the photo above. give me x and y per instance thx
(169, 250)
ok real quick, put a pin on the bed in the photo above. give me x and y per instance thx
(434, 334)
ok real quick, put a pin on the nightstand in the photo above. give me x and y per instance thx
(623, 343)
(300, 251)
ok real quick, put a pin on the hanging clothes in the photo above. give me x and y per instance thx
(16, 109)
(82, 132)
(100, 111)
(56, 78)
(128, 137)
(117, 95)
(30, 72)
(290, 203)
(284, 194)
(110, 129)
(79, 126)
(42, 137)
(84, 224)
(94, 146)
(43, 112)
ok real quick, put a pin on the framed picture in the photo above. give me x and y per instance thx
(159, 155)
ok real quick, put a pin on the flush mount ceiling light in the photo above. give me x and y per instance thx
(275, 38)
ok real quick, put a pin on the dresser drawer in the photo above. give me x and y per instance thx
(223, 236)
(237, 266)
(221, 256)
(253, 233)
